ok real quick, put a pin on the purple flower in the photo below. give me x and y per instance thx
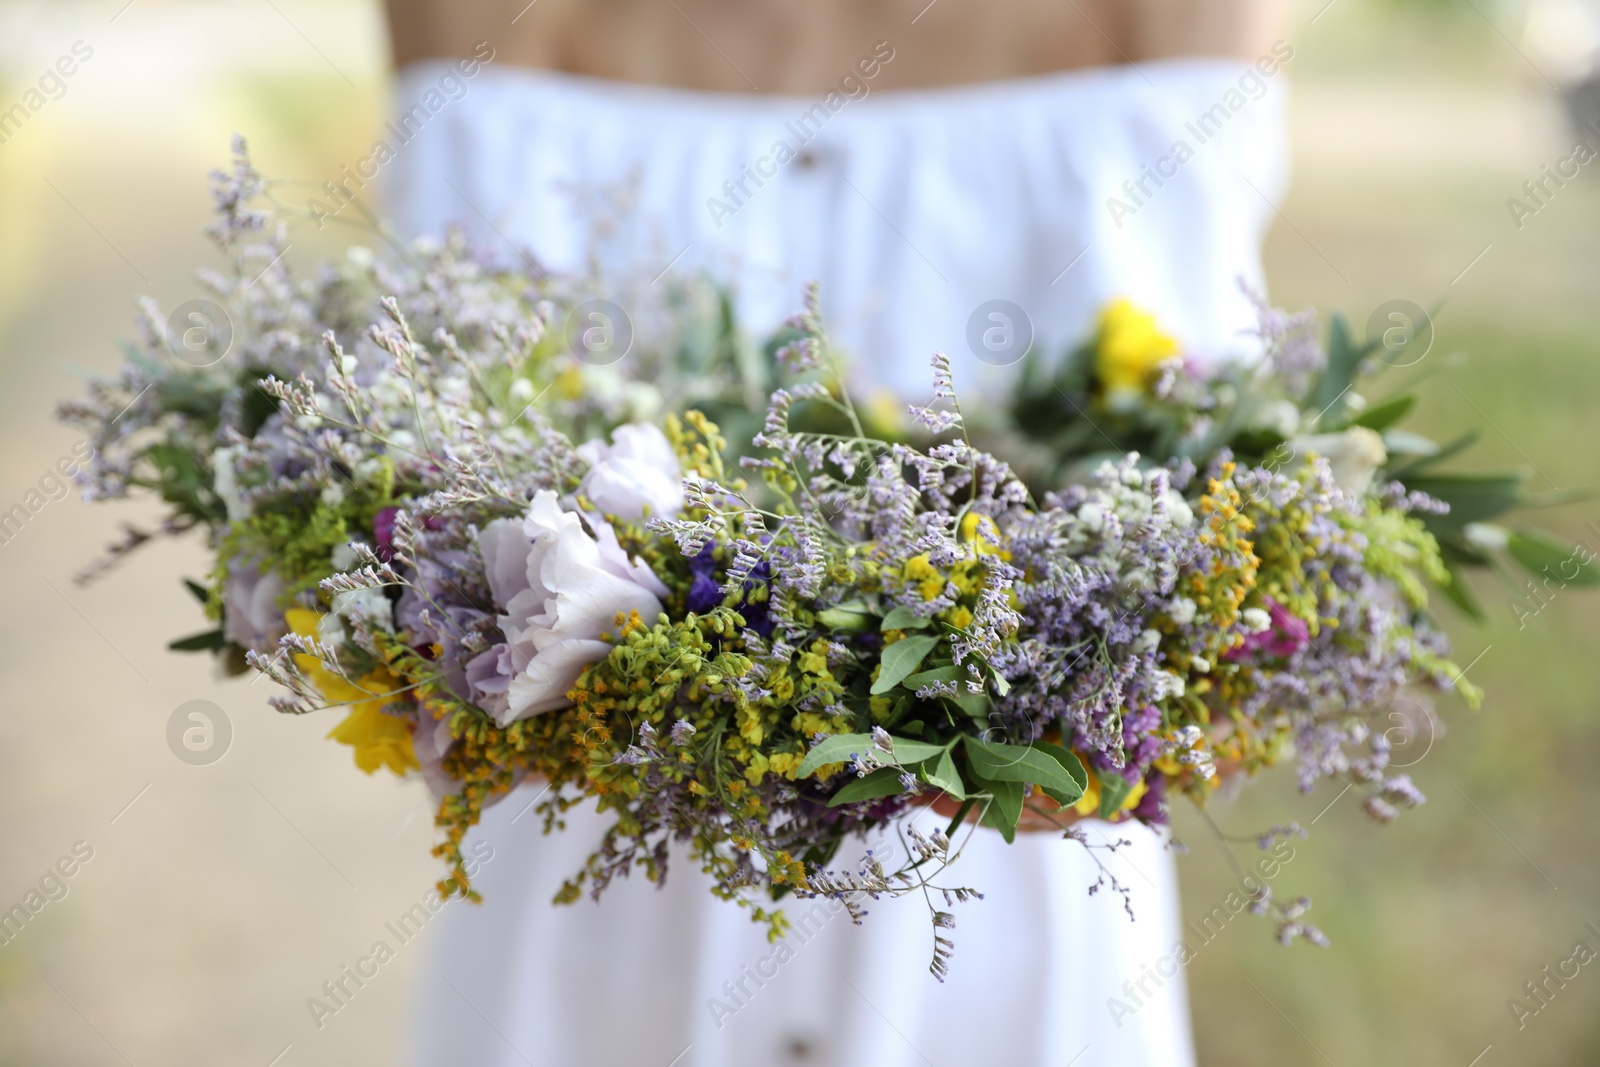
(252, 603)
(383, 532)
(704, 592)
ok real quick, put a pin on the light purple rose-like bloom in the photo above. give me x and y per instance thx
(560, 589)
(252, 609)
(634, 476)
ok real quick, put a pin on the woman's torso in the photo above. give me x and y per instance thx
(916, 210)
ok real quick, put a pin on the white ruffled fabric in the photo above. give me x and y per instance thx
(912, 209)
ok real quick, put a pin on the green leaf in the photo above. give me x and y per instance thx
(1114, 789)
(900, 660)
(1460, 594)
(1344, 362)
(1004, 812)
(1382, 416)
(908, 752)
(1404, 443)
(1021, 763)
(835, 749)
(1537, 551)
(1073, 766)
(1557, 497)
(960, 817)
(883, 782)
(1472, 497)
(209, 641)
(944, 776)
(199, 591)
(1430, 457)
(854, 616)
(903, 618)
(947, 673)
(974, 705)
(902, 708)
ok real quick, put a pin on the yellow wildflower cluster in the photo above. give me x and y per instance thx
(1225, 530)
(979, 538)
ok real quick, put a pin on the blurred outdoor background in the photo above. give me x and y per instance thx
(220, 897)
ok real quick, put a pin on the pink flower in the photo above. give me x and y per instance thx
(1283, 636)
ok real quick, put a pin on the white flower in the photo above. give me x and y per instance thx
(1486, 536)
(561, 589)
(369, 605)
(1279, 416)
(1256, 620)
(344, 557)
(635, 475)
(1354, 454)
(1181, 611)
(225, 483)
(1180, 514)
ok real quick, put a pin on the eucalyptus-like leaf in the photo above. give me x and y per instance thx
(900, 660)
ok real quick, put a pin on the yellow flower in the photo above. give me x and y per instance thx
(1089, 803)
(988, 542)
(967, 578)
(814, 661)
(1130, 348)
(750, 725)
(786, 763)
(920, 571)
(884, 412)
(569, 383)
(379, 740)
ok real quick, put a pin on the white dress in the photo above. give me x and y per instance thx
(913, 209)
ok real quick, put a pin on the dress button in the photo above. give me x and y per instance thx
(799, 1049)
(806, 160)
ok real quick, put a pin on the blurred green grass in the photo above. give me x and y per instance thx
(1438, 920)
